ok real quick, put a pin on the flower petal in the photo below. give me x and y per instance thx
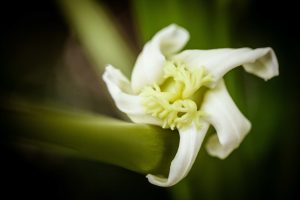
(148, 68)
(261, 62)
(191, 139)
(230, 124)
(120, 90)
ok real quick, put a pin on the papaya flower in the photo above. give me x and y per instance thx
(185, 91)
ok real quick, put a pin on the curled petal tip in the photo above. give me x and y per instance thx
(265, 66)
(231, 125)
(148, 68)
(191, 139)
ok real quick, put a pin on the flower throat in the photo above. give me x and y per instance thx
(174, 101)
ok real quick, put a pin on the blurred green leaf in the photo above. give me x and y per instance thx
(207, 21)
(98, 34)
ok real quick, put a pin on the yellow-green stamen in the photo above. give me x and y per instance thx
(173, 100)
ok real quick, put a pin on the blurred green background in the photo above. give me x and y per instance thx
(53, 54)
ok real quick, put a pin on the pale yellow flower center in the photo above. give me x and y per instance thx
(178, 99)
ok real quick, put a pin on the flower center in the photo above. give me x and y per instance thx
(177, 100)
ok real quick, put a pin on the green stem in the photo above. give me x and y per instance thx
(141, 148)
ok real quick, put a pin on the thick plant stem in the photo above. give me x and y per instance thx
(139, 148)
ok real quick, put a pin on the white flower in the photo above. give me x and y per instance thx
(186, 91)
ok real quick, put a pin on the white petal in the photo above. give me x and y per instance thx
(191, 139)
(262, 61)
(266, 67)
(148, 68)
(231, 125)
(120, 90)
